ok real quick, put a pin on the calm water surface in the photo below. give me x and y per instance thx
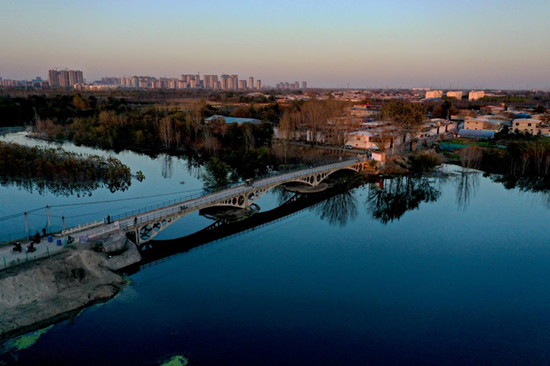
(463, 277)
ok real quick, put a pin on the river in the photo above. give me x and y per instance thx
(451, 269)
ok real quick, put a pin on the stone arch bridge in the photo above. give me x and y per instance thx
(143, 225)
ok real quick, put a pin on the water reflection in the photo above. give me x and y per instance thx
(467, 184)
(193, 165)
(539, 186)
(282, 196)
(159, 249)
(167, 166)
(338, 210)
(67, 189)
(390, 199)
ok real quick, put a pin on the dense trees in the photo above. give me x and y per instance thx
(318, 122)
(116, 124)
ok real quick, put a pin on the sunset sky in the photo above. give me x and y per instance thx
(369, 43)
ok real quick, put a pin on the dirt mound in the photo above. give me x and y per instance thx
(30, 297)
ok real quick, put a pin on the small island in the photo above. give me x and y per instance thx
(61, 171)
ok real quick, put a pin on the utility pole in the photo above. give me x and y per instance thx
(49, 222)
(26, 225)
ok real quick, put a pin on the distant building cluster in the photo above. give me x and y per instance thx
(36, 83)
(65, 78)
(437, 94)
(186, 81)
(284, 85)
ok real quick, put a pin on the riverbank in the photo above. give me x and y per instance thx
(47, 291)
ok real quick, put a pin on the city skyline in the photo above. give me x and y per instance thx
(360, 44)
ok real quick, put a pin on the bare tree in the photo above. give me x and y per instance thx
(211, 143)
(166, 131)
(313, 117)
(471, 156)
(286, 132)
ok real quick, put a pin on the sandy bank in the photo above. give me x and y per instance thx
(47, 290)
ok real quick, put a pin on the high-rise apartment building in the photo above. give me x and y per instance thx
(79, 77)
(234, 82)
(207, 81)
(210, 81)
(304, 85)
(251, 82)
(65, 78)
(224, 82)
(258, 85)
(72, 77)
(242, 85)
(53, 77)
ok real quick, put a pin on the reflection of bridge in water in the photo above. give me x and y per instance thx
(156, 252)
(143, 225)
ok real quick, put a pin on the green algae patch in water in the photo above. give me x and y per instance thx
(28, 340)
(176, 361)
(23, 342)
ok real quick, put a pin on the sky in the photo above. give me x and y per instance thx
(483, 44)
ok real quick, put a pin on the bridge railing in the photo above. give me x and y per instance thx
(156, 207)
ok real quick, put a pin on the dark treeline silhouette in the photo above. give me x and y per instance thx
(524, 157)
(60, 171)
